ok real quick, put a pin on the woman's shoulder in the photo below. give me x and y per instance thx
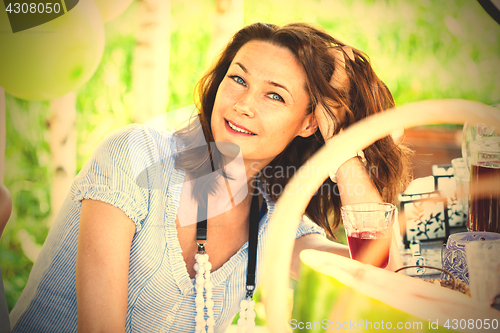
(125, 168)
(160, 134)
(135, 144)
(135, 152)
(135, 135)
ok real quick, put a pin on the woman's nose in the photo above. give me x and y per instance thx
(245, 105)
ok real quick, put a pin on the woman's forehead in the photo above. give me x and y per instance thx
(265, 50)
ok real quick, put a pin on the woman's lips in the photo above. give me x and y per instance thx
(235, 129)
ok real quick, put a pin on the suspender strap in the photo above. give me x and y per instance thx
(253, 238)
(201, 228)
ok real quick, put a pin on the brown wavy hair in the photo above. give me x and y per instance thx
(366, 95)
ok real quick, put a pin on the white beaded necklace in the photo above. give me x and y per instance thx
(246, 322)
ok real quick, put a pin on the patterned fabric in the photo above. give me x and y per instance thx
(455, 257)
(160, 292)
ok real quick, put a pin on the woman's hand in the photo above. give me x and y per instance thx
(102, 263)
(340, 81)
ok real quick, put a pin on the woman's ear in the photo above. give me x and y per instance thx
(309, 126)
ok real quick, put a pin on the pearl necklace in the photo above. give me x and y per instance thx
(246, 322)
(204, 285)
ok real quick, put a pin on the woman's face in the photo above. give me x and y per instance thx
(261, 103)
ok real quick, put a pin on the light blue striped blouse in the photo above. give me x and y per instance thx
(160, 292)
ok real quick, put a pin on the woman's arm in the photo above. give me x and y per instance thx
(353, 180)
(354, 183)
(102, 263)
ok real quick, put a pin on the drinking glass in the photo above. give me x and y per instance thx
(368, 227)
(481, 149)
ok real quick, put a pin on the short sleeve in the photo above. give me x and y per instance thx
(307, 226)
(111, 172)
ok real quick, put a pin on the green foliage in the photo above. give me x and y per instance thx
(28, 179)
(422, 50)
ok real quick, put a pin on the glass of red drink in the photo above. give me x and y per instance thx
(484, 198)
(368, 227)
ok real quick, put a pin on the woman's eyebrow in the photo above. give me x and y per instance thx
(242, 67)
(276, 84)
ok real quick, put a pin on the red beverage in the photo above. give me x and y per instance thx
(367, 247)
(484, 211)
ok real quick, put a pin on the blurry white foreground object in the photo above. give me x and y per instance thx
(256, 329)
(483, 262)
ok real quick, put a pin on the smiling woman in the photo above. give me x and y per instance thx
(166, 232)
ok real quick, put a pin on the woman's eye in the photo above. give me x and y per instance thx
(276, 97)
(237, 79)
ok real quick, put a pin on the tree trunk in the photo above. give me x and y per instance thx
(228, 20)
(63, 148)
(151, 59)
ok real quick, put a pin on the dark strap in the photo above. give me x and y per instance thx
(253, 238)
(201, 228)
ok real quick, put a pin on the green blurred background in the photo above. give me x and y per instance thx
(425, 49)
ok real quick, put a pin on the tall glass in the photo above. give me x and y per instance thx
(484, 186)
(368, 227)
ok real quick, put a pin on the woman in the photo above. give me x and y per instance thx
(128, 232)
